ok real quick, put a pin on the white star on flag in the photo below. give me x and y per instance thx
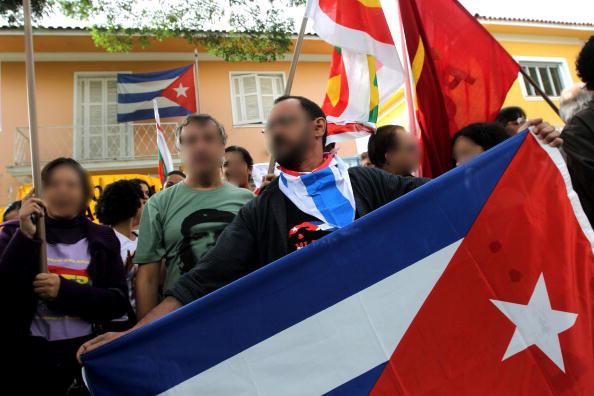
(537, 324)
(181, 90)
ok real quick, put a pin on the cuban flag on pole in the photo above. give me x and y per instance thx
(435, 293)
(174, 90)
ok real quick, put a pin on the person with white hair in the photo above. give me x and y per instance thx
(573, 100)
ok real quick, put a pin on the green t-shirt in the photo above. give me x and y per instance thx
(181, 224)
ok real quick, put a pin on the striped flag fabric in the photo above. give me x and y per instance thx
(329, 180)
(174, 90)
(365, 72)
(163, 154)
(435, 293)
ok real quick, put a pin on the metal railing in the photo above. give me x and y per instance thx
(97, 143)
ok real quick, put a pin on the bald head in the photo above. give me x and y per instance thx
(573, 100)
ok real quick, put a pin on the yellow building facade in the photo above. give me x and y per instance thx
(76, 93)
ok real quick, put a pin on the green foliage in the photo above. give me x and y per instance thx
(232, 29)
(235, 30)
(12, 10)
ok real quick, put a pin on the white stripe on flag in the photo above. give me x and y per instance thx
(148, 86)
(161, 142)
(355, 40)
(332, 347)
(124, 108)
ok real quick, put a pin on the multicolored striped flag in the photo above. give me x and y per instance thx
(165, 159)
(365, 74)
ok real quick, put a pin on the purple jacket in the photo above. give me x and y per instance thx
(106, 299)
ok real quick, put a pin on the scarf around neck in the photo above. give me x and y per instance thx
(324, 193)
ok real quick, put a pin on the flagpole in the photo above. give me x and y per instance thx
(33, 136)
(291, 76)
(196, 80)
(540, 91)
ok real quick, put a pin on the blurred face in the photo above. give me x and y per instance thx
(12, 215)
(201, 148)
(405, 158)
(236, 170)
(292, 133)
(64, 193)
(366, 162)
(146, 192)
(172, 180)
(513, 127)
(465, 149)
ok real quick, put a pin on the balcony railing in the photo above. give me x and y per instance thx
(93, 144)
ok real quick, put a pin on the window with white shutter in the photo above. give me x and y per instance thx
(98, 134)
(253, 95)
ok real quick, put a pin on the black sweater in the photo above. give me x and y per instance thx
(578, 144)
(105, 300)
(257, 235)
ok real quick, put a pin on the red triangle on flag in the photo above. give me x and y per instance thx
(183, 90)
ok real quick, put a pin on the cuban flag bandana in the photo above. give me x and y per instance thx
(325, 193)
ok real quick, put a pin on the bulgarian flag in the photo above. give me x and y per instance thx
(366, 78)
(165, 159)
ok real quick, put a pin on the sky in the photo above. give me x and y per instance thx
(562, 11)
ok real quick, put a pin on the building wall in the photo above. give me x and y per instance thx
(55, 97)
(537, 107)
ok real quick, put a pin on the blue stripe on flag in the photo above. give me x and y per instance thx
(360, 385)
(131, 78)
(138, 97)
(334, 206)
(149, 114)
(275, 297)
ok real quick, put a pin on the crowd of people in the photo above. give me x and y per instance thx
(155, 252)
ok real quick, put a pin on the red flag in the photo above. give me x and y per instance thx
(461, 73)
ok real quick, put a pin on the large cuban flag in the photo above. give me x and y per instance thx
(174, 90)
(479, 282)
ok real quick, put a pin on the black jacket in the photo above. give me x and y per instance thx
(578, 138)
(258, 234)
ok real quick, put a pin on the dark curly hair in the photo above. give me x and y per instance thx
(484, 134)
(585, 64)
(119, 201)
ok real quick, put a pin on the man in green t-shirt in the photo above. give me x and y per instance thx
(181, 223)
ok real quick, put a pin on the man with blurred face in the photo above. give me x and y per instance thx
(393, 149)
(174, 177)
(237, 166)
(182, 222)
(284, 217)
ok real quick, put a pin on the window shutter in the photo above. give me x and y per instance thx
(253, 96)
(250, 99)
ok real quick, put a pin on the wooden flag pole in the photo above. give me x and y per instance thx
(291, 76)
(196, 80)
(540, 91)
(33, 135)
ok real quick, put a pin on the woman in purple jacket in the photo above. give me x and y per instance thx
(49, 315)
